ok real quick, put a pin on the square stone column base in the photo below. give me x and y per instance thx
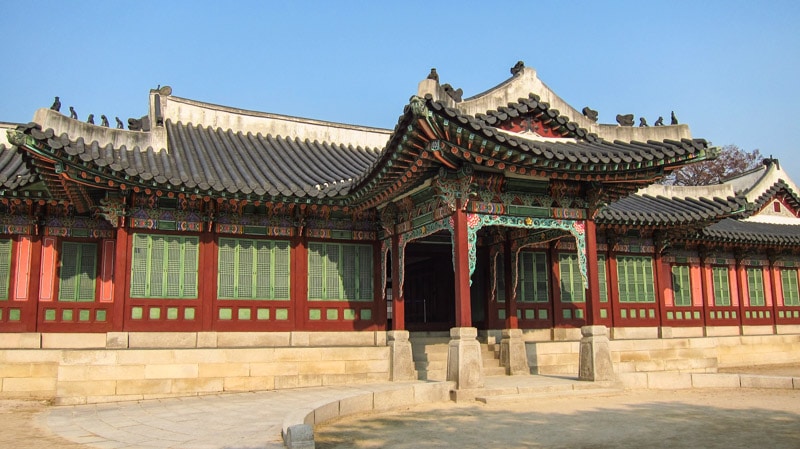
(595, 359)
(513, 355)
(401, 363)
(464, 362)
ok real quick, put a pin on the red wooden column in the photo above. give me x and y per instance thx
(121, 277)
(299, 286)
(593, 275)
(555, 282)
(661, 280)
(398, 303)
(30, 311)
(207, 284)
(512, 322)
(461, 267)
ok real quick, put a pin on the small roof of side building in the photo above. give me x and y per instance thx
(742, 209)
(14, 173)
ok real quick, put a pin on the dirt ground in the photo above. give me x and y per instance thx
(19, 428)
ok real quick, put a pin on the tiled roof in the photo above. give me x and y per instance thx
(534, 107)
(594, 155)
(13, 171)
(222, 161)
(738, 231)
(659, 210)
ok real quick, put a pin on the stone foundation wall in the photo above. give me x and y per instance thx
(147, 366)
(687, 354)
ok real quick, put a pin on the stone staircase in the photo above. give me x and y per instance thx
(429, 350)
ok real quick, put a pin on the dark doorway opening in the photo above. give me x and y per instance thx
(429, 284)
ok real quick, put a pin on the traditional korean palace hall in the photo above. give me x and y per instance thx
(207, 248)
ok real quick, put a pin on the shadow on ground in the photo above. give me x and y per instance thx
(606, 423)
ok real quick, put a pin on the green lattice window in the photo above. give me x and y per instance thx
(571, 281)
(791, 295)
(722, 291)
(682, 285)
(164, 266)
(78, 272)
(5, 268)
(603, 276)
(253, 269)
(532, 282)
(755, 286)
(340, 272)
(635, 278)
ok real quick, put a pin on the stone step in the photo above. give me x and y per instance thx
(494, 370)
(434, 375)
(434, 365)
(519, 397)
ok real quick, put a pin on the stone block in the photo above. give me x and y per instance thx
(206, 339)
(207, 355)
(686, 332)
(650, 366)
(634, 333)
(198, 386)
(171, 371)
(595, 355)
(255, 355)
(89, 357)
(431, 392)
(86, 388)
(401, 360)
(28, 340)
(722, 331)
(274, 369)
(464, 360)
(297, 354)
(537, 335)
(252, 339)
(321, 367)
(309, 380)
(704, 342)
(356, 404)
(223, 370)
(389, 399)
(353, 353)
(117, 340)
(341, 379)
(796, 383)
(513, 354)
(326, 412)
(341, 339)
(632, 381)
(566, 334)
(299, 436)
(288, 381)
(144, 357)
(168, 340)
(715, 381)
(758, 330)
(298, 338)
(143, 386)
(752, 381)
(380, 338)
(99, 372)
(15, 370)
(632, 356)
(787, 329)
(248, 383)
(669, 381)
(366, 366)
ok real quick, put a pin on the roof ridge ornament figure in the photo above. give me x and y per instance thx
(659, 121)
(673, 119)
(625, 120)
(72, 113)
(56, 105)
(90, 120)
(103, 120)
(517, 69)
(120, 125)
(643, 122)
(590, 113)
(433, 75)
(455, 94)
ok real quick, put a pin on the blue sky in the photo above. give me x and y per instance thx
(727, 68)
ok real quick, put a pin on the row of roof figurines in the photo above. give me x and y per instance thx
(455, 94)
(591, 114)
